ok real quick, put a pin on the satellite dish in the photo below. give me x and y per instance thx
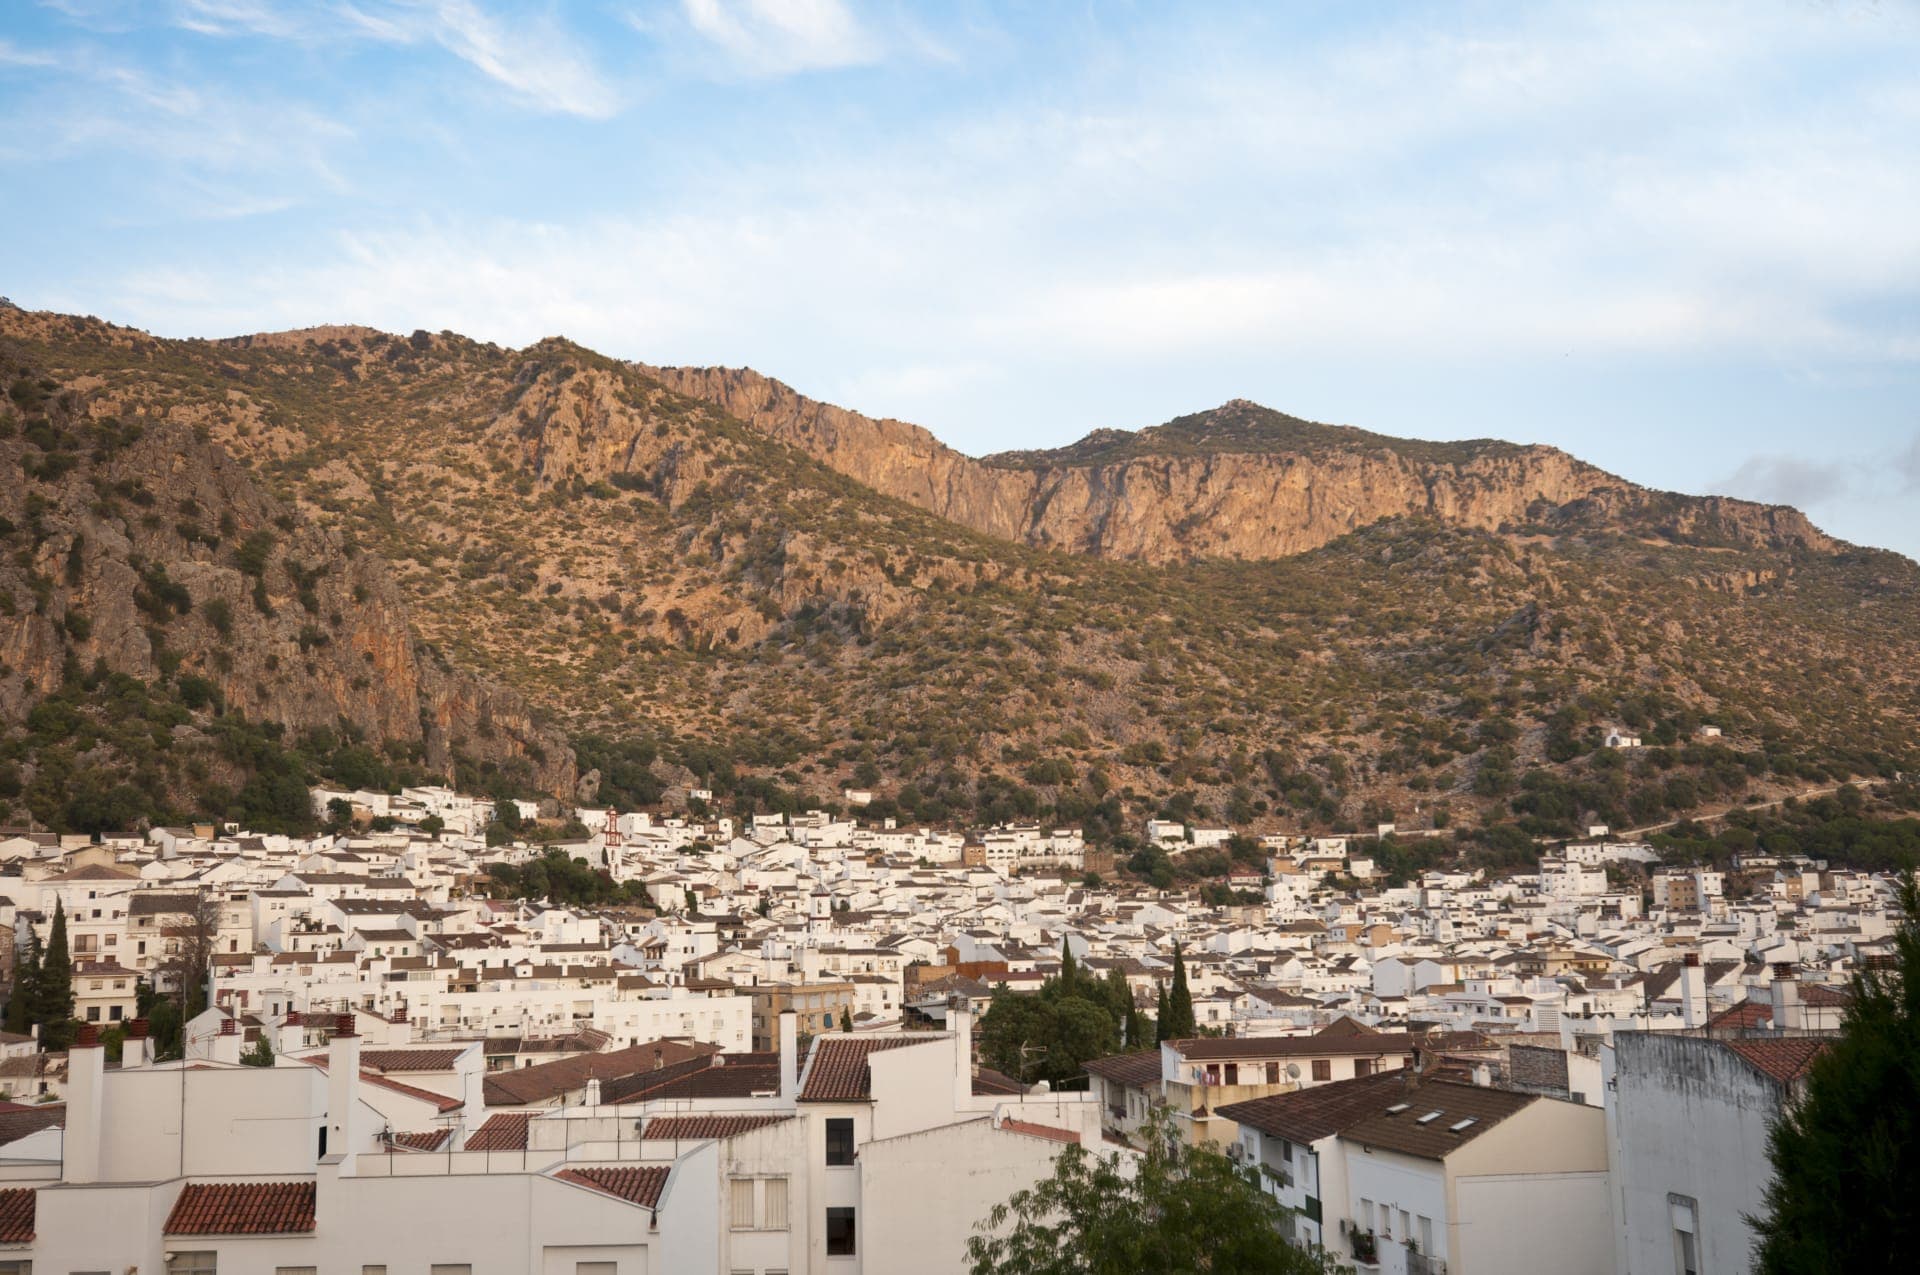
(1293, 1071)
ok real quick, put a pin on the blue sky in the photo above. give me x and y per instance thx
(1681, 241)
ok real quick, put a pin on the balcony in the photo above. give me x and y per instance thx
(1419, 1263)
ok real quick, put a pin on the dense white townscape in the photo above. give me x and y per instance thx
(767, 1063)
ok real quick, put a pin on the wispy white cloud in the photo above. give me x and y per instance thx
(12, 54)
(783, 37)
(535, 58)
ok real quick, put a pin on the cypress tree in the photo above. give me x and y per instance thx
(1846, 1157)
(53, 990)
(1180, 1001)
(26, 988)
(1160, 1014)
(1068, 970)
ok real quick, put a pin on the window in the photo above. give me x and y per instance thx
(1406, 1225)
(596, 1268)
(93, 1013)
(776, 1219)
(1363, 1067)
(373, 1270)
(1323, 1069)
(1426, 1235)
(296, 1270)
(1686, 1228)
(840, 1233)
(198, 1262)
(1273, 1073)
(114, 1012)
(840, 1140)
(742, 1204)
(16, 1268)
(450, 1268)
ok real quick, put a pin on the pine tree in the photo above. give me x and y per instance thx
(846, 1018)
(26, 988)
(1180, 1024)
(1160, 1014)
(1846, 1157)
(53, 990)
(1068, 970)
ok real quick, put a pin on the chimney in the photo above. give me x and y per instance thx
(343, 1093)
(137, 1049)
(1693, 991)
(86, 1076)
(1789, 1015)
(592, 1098)
(789, 1056)
(960, 1023)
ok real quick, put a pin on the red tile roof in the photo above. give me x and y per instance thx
(16, 1215)
(410, 1059)
(634, 1183)
(21, 1121)
(1046, 1131)
(707, 1126)
(431, 1140)
(544, 1082)
(1746, 1014)
(987, 1081)
(1784, 1058)
(1141, 1068)
(242, 1208)
(837, 1071)
(504, 1131)
(439, 1100)
(1308, 1115)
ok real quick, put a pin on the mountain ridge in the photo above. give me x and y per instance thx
(1239, 481)
(699, 603)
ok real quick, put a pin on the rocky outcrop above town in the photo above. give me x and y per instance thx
(1241, 481)
(138, 548)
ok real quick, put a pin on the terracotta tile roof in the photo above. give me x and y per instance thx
(1410, 1132)
(410, 1059)
(242, 1208)
(987, 1081)
(1823, 997)
(634, 1183)
(837, 1071)
(707, 1126)
(735, 1080)
(503, 1131)
(1308, 1115)
(1341, 1044)
(17, 1124)
(16, 1215)
(1046, 1131)
(543, 1082)
(1783, 1058)
(431, 1140)
(1746, 1014)
(1141, 1068)
(439, 1100)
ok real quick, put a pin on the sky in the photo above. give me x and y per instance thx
(1679, 241)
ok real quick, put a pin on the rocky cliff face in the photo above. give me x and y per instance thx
(1199, 494)
(138, 548)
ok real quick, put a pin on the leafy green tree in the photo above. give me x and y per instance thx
(1846, 1158)
(1181, 1209)
(259, 1054)
(1050, 1034)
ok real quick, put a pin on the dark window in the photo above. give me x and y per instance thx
(1233, 1073)
(840, 1143)
(840, 1232)
(1323, 1069)
(1363, 1066)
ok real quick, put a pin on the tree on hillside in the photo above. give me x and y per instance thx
(1182, 1208)
(1846, 1158)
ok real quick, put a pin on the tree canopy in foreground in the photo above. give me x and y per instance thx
(1846, 1158)
(1173, 1208)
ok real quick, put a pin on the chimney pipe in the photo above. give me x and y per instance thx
(960, 1023)
(86, 1077)
(1789, 1015)
(1693, 991)
(789, 1056)
(593, 1091)
(343, 1093)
